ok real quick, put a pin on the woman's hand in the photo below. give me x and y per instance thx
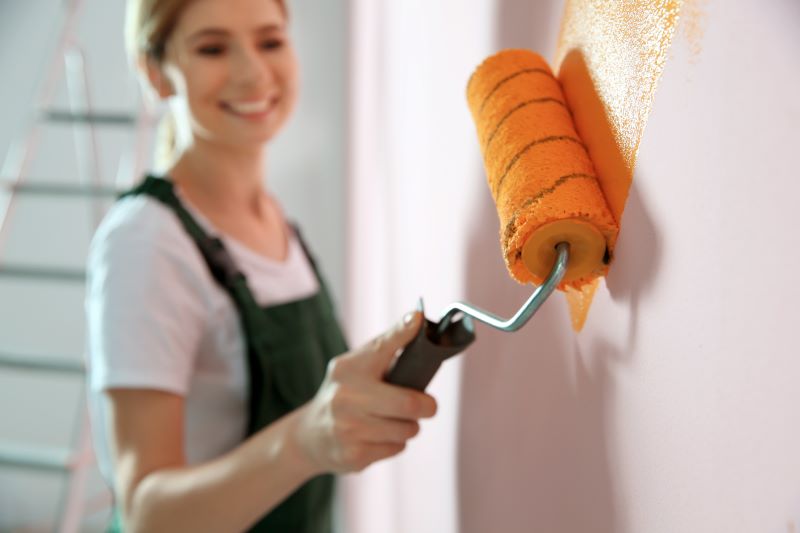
(356, 418)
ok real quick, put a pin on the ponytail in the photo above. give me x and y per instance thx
(165, 151)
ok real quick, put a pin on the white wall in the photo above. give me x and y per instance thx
(306, 169)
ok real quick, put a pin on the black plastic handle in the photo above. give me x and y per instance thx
(422, 357)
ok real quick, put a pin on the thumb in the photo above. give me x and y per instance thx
(382, 350)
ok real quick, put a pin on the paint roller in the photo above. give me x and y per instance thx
(556, 229)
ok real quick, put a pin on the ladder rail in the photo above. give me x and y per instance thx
(20, 156)
(68, 62)
(84, 134)
(86, 147)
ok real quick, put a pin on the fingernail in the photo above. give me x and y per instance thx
(408, 317)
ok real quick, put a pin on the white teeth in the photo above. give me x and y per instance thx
(249, 107)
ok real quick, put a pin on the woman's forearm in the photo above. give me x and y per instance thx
(229, 493)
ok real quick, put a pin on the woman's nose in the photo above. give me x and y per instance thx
(250, 68)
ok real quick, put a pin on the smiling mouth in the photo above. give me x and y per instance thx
(254, 109)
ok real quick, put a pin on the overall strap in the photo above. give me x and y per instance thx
(227, 275)
(307, 251)
(323, 286)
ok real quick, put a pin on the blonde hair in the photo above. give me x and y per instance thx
(148, 26)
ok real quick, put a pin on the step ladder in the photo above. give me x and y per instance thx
(66, 69)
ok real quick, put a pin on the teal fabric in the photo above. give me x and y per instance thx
(288, 350)
(116, 523)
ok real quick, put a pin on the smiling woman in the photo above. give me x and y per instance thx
(222, 393)
(151, 25)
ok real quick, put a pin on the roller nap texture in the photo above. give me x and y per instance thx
(539, 171)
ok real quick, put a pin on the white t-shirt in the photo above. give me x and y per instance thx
(157, 319)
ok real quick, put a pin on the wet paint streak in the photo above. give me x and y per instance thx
(694, 18)
(609, 59)
(624, 45)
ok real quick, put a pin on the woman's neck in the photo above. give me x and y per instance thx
(220, 178)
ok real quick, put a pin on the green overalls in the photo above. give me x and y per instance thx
(288, 349)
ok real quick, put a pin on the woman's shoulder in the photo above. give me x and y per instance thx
(148, 299)
(140, 219)
(139, 228)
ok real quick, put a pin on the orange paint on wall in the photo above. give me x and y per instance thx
(610, 56)
(694, 17)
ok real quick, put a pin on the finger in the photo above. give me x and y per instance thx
(379, 353)
(404, 332)
(385, 431)
(377, 452)
(392, 401)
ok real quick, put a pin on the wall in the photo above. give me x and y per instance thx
(675, 408)
(306, 170)
(412, 176)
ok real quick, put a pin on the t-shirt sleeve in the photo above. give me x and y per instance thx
(145, 307)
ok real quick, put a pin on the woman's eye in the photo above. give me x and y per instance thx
(271, 44)
(210, 50)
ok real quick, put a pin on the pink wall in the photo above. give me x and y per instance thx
(676, 408)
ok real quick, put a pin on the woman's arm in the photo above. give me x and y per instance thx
(354, 420)
(157, 491)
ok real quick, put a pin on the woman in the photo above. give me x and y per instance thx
(223, 396)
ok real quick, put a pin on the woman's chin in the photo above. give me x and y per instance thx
(256, 141)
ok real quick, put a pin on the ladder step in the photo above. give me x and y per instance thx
(58, 189)
(40, 363)
(105, 119)
(38, 458)
(42, 273)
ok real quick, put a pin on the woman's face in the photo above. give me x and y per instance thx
(233, 67)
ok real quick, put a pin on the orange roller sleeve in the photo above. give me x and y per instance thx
(539, 171)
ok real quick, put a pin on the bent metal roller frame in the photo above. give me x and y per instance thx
(556, 229)
(437, 341)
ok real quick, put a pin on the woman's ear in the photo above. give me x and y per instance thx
(159, 81)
